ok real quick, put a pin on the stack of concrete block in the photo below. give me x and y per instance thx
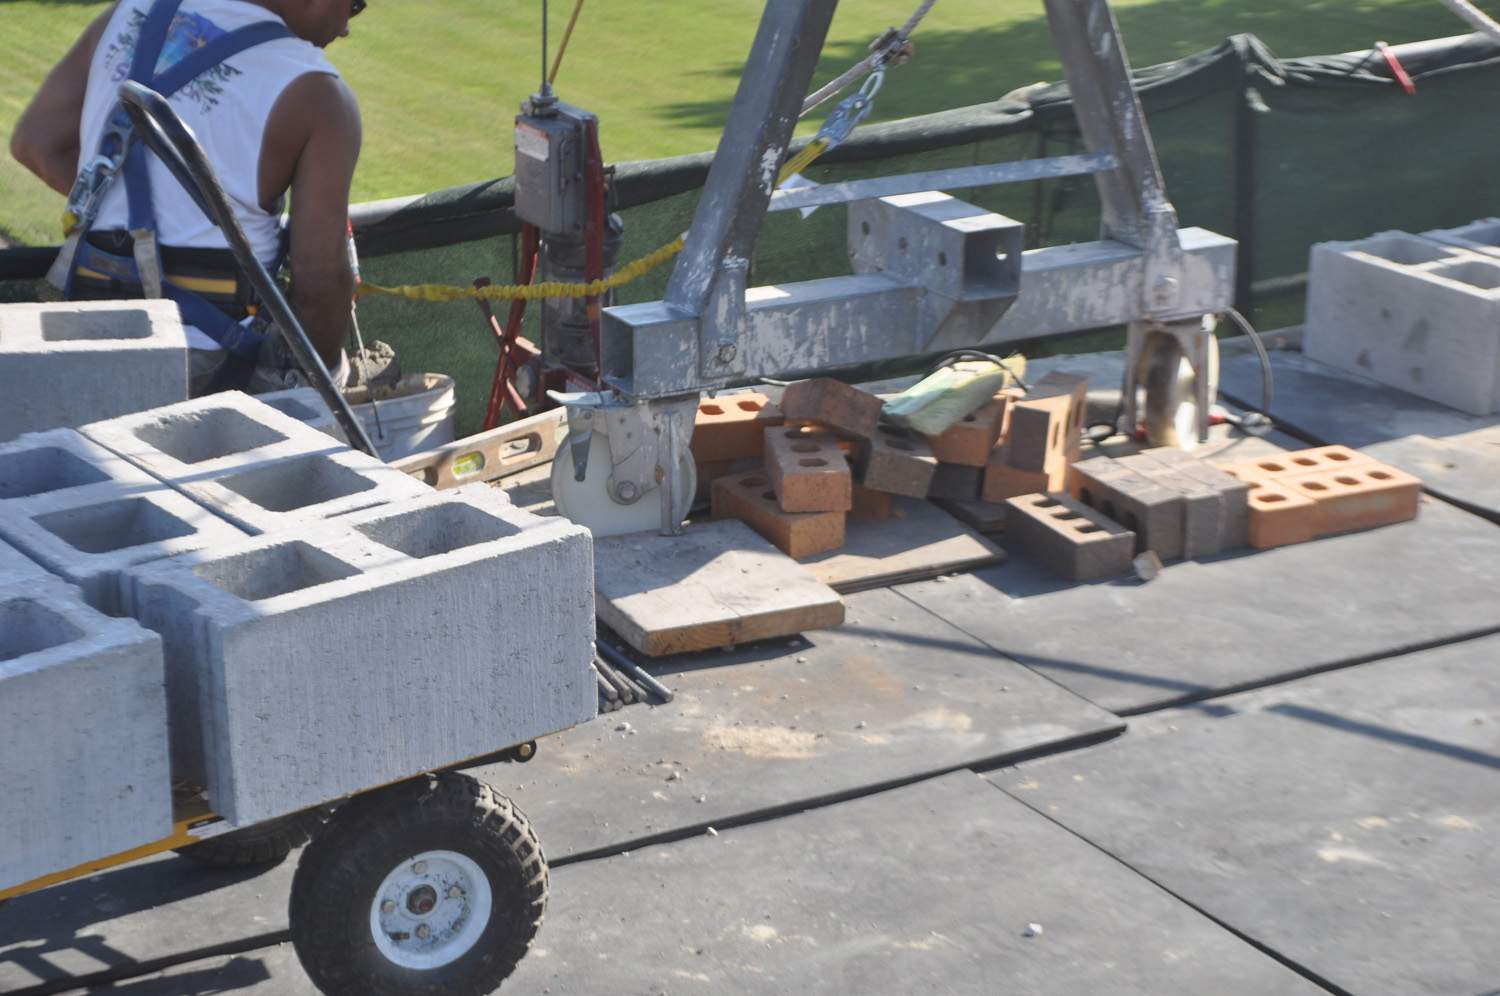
(1041, 441)
(260, 469)
(1322, 491)
(83, 729)
(62, 365)
(85, 514)
(324, 660)
(1410, 312)
(1151, 511)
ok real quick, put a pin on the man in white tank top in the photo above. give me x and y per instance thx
(270, 118)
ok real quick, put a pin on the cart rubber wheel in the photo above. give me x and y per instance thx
(263, 844)
(434, 886)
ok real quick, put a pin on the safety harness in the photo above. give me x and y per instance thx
(130, 263)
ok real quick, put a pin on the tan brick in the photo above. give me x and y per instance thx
(808, 471)
(970, 440)
(1360, 496)
(749, 498)
(870, 506)
(732, 427)
(896, 462)
(1047, 422)
(1279, 516)
(833, 404)
(1002, 481)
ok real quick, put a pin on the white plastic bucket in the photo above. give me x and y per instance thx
(417, 415)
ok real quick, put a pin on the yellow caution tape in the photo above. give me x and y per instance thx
(556, 289)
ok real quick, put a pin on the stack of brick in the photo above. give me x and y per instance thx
(1298, 496)
(83, 768)
(729, 435)
(426, 631)
(803, 492)
(62, 365)
(1040, 439)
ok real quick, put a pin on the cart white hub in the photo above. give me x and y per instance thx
(431, 910)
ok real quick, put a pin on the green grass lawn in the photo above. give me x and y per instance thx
(439, 80)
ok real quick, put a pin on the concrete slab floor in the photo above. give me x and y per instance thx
(930, 887)
(1348, 822)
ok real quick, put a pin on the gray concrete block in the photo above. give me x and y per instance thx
(62, 365)
(375, 646)
(1482, 236)
(83, 733)
(307, 406)
(1069, 538)
(1151, 511)
(257, 467)
(1409, 312)
(16, 567)
(896, 462)
(84, 513)
(208, 437)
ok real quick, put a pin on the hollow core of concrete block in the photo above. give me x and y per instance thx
(194, 437)
(274, 570)
(28, 627)
(437, 529)
(1407, 250)
(294, 484)
(46, 468)
(95, 326)
(114, 525)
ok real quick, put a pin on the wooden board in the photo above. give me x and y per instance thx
(918, 541)
(716, 585)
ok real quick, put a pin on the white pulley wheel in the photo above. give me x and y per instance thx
(1172, 392)
(589, 503)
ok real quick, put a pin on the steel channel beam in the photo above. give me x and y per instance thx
(961, 178)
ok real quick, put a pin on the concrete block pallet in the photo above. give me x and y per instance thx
(62, 365)
(386, 629)
(83, 731)
(85, 513)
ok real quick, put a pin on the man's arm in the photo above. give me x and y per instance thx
(46, 138)
(312, 141)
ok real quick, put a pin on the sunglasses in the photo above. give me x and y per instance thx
(356, 7)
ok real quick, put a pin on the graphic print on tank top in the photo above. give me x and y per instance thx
(187, 33)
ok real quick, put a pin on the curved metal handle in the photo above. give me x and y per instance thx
(164, 133)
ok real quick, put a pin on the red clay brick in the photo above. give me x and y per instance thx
(1279, 516)
(896, 462)
(1002, 481)
(749, 498)
(870, 506)
(833, 404)
(808, 471)
(732, 427)
(970, 440)
(1361, 496)
(1297, 462)
(1046, 423)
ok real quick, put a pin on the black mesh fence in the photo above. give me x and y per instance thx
(1279, 154)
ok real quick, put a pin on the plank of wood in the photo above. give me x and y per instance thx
(716, 585)
(918, 541)
(491, 455)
